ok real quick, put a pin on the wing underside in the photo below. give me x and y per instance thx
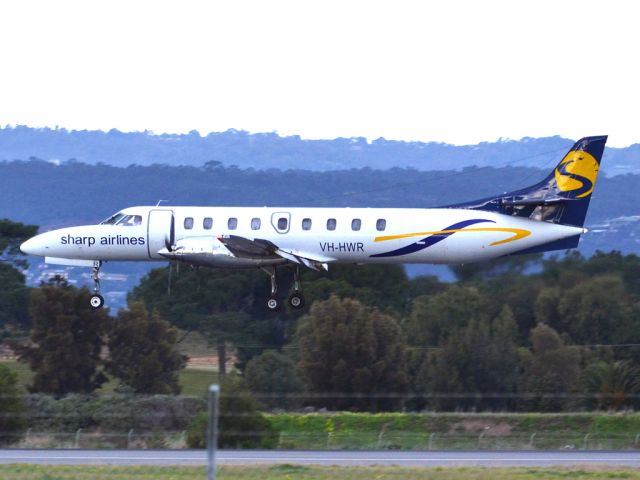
(243, 247)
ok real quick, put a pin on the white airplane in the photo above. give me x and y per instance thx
(547, 216)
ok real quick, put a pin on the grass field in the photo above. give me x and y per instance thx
(455, 431)
(194, 381)
(291, 472)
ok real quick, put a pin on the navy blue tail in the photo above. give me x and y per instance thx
(563, 197)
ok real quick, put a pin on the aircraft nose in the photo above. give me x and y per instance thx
(33, 246)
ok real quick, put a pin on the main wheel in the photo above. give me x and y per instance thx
(296, 300)
(96, 301)
(273, 304)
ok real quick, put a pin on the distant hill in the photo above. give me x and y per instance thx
(265, 151)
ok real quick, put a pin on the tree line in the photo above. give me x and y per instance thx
(524, 333)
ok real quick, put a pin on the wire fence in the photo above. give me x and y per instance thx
(111, 426)
(87, 439)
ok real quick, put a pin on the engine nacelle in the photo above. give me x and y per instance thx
(210, 252)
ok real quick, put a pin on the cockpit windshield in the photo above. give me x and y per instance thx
(113, 219)
(123, 220)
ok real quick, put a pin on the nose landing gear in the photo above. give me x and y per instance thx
(96, 301)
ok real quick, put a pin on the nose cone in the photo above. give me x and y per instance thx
(33, 246)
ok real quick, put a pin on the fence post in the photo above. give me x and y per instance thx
(380, 437)
(481, 436)
(78, 437)
(430, 446)
(129, 435)
(635, 443)
(212, 431)
(586, 441)
(533, 435)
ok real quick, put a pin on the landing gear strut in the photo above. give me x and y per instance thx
(96, 301)
(296, 299)
(273, 304)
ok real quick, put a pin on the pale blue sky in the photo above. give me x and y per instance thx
(452, 71)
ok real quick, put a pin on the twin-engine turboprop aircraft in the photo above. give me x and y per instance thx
(547, 216)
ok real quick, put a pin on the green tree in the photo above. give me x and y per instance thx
(142, 351)
(613, 385)
(66, 340)
(274, 379)
(14, 294)
(351, 356)
(551, 372)
(226, 306)
(12, 408)
(12, 234)
(593, 310)
(14, 297)
(476, 368)
(381, 286)
(240, 423)
(434, 317)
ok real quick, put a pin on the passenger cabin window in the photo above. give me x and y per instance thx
(255, 224)
(356, 223)
(381, 224)
(306, 224)
(331, 224)
(283, 223)
(207, 223)
(232, 223)
(188, 223)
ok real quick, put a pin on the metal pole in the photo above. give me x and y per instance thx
(212, 431)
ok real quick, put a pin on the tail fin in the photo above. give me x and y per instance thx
(563, 197)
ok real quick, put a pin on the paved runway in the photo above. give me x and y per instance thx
(343, 458)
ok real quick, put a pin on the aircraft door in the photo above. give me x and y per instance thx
(160, 231)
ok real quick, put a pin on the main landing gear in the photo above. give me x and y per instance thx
(96, 301)
(296, 299)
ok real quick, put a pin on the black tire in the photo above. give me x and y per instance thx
(273, 305)
(296, 300)
(96, 301)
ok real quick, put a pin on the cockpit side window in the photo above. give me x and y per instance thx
(129, 220)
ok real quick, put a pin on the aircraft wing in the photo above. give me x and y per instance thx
(257, 247)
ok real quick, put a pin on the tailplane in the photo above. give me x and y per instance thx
(563, 197)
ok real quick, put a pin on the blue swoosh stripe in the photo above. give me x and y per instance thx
(430, 240)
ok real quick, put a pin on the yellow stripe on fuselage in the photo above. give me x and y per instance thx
(518, 233)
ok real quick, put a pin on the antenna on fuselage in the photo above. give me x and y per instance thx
(160, 201)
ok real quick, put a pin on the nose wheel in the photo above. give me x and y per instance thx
(96, 301)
